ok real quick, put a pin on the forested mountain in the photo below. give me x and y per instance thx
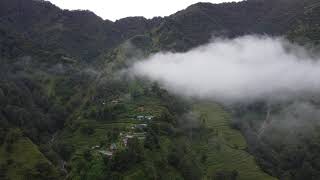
(84, 35)
(65, 112)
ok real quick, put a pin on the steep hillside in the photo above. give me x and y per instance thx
(80, 34)
(83, 35)
(67, 113)
(21, 159)
(225, 148)
(199, 22)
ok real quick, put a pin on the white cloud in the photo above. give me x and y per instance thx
(242, 69)
(117, 9)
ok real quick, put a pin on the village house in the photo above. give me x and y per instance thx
(141, 117)
(126, 138)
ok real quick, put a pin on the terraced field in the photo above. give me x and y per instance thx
(225, 148)
(23, 158)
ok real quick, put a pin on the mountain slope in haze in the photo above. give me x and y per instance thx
(60, 87)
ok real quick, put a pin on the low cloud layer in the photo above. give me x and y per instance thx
(246, 69)
(292, 124)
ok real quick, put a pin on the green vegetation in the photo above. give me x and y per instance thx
(87, 143)
(21, 159)
(280, 148)
(225, 148)
(66, 111)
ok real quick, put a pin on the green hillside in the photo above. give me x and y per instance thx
(68, 112)
(226, 147)
(21, 159)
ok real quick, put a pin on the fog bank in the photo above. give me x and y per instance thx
(244, 69)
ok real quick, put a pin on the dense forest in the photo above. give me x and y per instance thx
(67, 113)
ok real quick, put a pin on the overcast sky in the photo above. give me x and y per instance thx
(117, 9)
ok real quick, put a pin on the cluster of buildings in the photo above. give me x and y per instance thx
(137, 131)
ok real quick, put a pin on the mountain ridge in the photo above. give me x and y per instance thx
(71, 32)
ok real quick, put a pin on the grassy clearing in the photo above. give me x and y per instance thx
(225, 148)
